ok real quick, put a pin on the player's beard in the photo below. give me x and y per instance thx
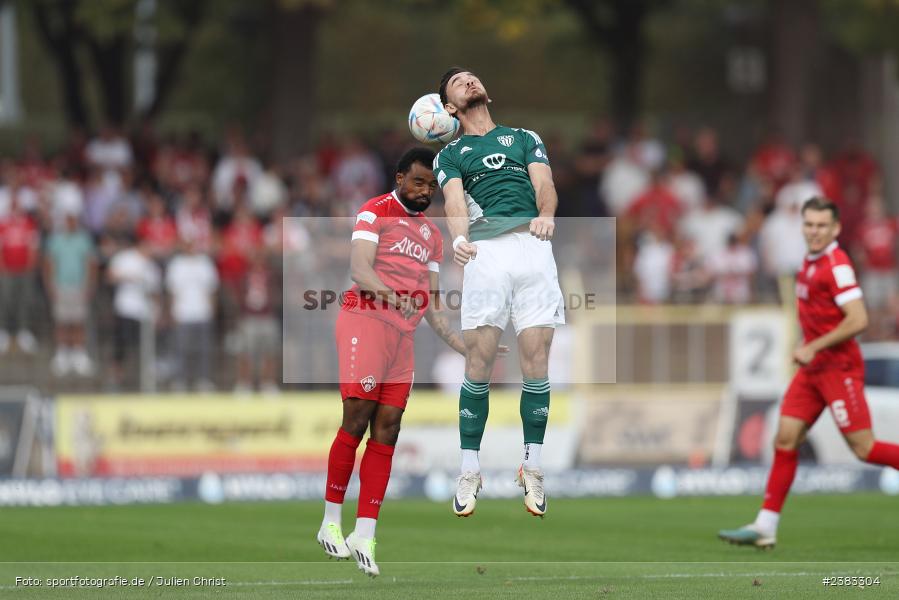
(478, 99)
(416, 204)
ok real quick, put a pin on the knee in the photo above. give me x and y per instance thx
(534, 364)
(354, 425)
(534, 369)
(386, 433)
(862, 448)
(477, 369)
(786, 441)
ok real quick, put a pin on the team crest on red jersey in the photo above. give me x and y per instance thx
(425, 231)
(368, 383)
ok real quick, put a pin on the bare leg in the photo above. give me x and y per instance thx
(480, 345)
(860, 442)
(533, 351)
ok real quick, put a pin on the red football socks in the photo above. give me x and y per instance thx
(883, 453)
(340, 465)
(780, 479)
(374, 472)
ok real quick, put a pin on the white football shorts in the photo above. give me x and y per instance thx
(513, 276)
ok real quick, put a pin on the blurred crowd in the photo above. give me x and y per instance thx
(695, 225)
(117, 240)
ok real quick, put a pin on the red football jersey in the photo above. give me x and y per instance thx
(19, 242)
(878, 241)
(238, 241)
(409, 247)
(161, 233)
(826, 282)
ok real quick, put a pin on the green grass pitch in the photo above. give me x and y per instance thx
(591, 548)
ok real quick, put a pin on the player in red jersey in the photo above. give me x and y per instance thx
(394, 264)
(831, 371)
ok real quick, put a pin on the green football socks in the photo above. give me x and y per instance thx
(473, 407)
(534, 409)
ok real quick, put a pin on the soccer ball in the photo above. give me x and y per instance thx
(429, 122)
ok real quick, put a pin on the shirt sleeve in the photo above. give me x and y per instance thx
(437, 256)
(445, 167)
(843, 284)
(368, 225)
(535, 151)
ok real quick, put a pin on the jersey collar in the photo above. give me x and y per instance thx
(397, 198)
(830, 248)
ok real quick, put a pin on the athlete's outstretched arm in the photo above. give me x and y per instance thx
(457, 221)
(437, 318)
(362, 272)
(855, 321)
(547, 200)
(456, 208)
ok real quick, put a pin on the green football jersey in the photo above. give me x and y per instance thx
(494, 173)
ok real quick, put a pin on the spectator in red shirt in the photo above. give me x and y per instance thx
(19, 247)
(774, 159)
(157, 228)
(238, 240)
(859, 177)
(236, 244)
(258, 328)
(876, 253)
(656, 205)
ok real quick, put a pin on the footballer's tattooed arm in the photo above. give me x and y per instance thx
(439, 321)
(362, 260)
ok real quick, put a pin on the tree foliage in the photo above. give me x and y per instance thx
(864, 26)
(100, 34)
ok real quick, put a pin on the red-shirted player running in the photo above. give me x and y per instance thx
(831, 371)
(394, 262)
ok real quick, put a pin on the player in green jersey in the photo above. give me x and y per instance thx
(500, 204)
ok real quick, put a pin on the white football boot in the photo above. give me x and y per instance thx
(468, 486)
(749, 535)
(363, 550)
(330, 538)
(532, 482)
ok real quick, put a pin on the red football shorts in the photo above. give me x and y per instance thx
(375, 360)
(842, 391)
